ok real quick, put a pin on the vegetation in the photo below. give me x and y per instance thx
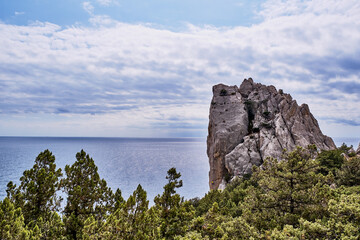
(88, 195)
(223, 92)
(298, 198)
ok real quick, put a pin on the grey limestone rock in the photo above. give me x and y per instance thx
(252, 122)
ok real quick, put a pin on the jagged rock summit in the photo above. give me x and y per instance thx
(255, 121)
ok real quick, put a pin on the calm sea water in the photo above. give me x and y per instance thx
(122, 162)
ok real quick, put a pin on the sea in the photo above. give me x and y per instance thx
(122, 162)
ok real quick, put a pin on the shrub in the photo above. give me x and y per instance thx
(223, 92)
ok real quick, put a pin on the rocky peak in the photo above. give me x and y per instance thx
(252, 122)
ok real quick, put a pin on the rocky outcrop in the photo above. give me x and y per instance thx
(252, 122)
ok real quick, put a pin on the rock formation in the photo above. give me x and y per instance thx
(250, 123)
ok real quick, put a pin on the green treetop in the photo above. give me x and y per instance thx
(36, 194)
(287, 190)
(87, 194)
(174, 213)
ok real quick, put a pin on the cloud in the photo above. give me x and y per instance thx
(88, 7)
(278, 8)
(107, 2)
(19, 13)
(343, 121)
(101, 20)
(136, 76)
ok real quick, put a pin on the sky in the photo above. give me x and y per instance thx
(116, 68)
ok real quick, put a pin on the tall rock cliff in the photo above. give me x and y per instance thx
(250, 123)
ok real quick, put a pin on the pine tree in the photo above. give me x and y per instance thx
(287, 190)
(131, 221)
(11, 221)
(52, 228)
(174, 213)
(349, 173)
(36, 194)
(88, 195)
(135, 210)
(118, 200)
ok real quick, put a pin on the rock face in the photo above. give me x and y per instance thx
(250, 123)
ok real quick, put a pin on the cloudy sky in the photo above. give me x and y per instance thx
(141, 68)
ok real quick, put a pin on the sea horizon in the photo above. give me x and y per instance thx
(338, 140)
(124, 162)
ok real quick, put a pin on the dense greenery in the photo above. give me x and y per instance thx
(297, 198)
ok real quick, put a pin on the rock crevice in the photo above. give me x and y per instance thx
(252, 122)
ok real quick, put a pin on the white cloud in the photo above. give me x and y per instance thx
(88, 7)
(101, 20)
(277, 8)
(137, 79)
(107, 2)
(19, 13)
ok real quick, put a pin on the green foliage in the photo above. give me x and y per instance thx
(174, 213)
(36, 194)
(11, 222)
(37, 198)
(330, 161)
(191, 236)
(207, 201)
(266, 114)
(131, 220)
(290, 199)
(209, 224)
(118, 200)
(228, 200)
(14, 194)
(87, 195)
(344, 148)
(349, 174)
(306, 230)
(287, 190)
(238, 228)
(344, 221)
(223, 92)
(51, 228)
(134, 215)
(215, 225)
